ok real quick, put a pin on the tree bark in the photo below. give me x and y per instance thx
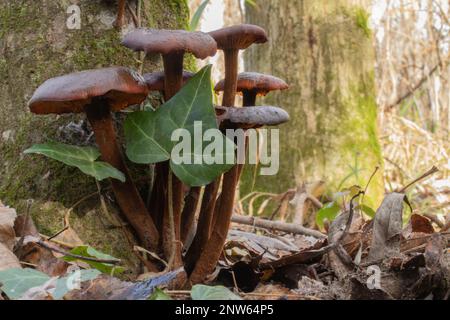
(35, 45)
(323, 50)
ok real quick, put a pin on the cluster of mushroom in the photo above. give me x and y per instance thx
(99, 93)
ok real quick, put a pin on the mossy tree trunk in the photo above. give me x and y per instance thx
(323, 49)
(37, 44)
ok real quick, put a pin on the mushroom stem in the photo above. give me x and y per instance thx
(219, 217)
(120, 20)
(173, 73)
(213, 249)
(249, 98)
(126, 193)
(204, 225)
(231, 74)
(188, 214)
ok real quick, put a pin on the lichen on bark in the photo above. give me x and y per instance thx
(36, 44)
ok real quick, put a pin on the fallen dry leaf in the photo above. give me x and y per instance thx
(28, 251)
(418, 223)
(7, 234)
(7, 259)
(387, 227)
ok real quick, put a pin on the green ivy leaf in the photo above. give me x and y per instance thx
(16, 281)
(158, 294)
(328, 211)
(63, 284)
(367, 210)
(84, 158)
(87, 251)
(202, 292)
(148, 134)
(197, 15)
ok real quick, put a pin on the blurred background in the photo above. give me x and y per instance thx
(369, 87)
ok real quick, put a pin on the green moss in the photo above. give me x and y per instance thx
(36, 46)
(362, 20)
(16, 16)
(93, 226)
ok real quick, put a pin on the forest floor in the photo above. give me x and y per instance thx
(389, 256)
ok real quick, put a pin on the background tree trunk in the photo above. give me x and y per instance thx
(36, 44)
(323, 49)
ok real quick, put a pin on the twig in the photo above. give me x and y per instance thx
(350, 217)
(315, 201)
(412, 89)
(277, 225)
(76, 256)
(58, 233)
(368, 182)
(171, 222)
(433, 170)
(61, 243)
(133, 15)
(152, 254)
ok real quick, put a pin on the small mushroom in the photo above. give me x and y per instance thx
(155, 80)
(98, 93)
(120, 20)
(251, 117)
(231, 40)
(172, 45)
(253, 84)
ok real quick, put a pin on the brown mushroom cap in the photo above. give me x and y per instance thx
(251, 117)
(155, 80)
(70, 93)
(256, 82)
(239, 36)
(200, 44)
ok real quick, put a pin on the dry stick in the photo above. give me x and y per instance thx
(133, 15)
(58, 242)
(173, 81)
(412, 89)
(58, 233)
(76, 256)
(188, 215)
(433, 170)
(277, 225)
